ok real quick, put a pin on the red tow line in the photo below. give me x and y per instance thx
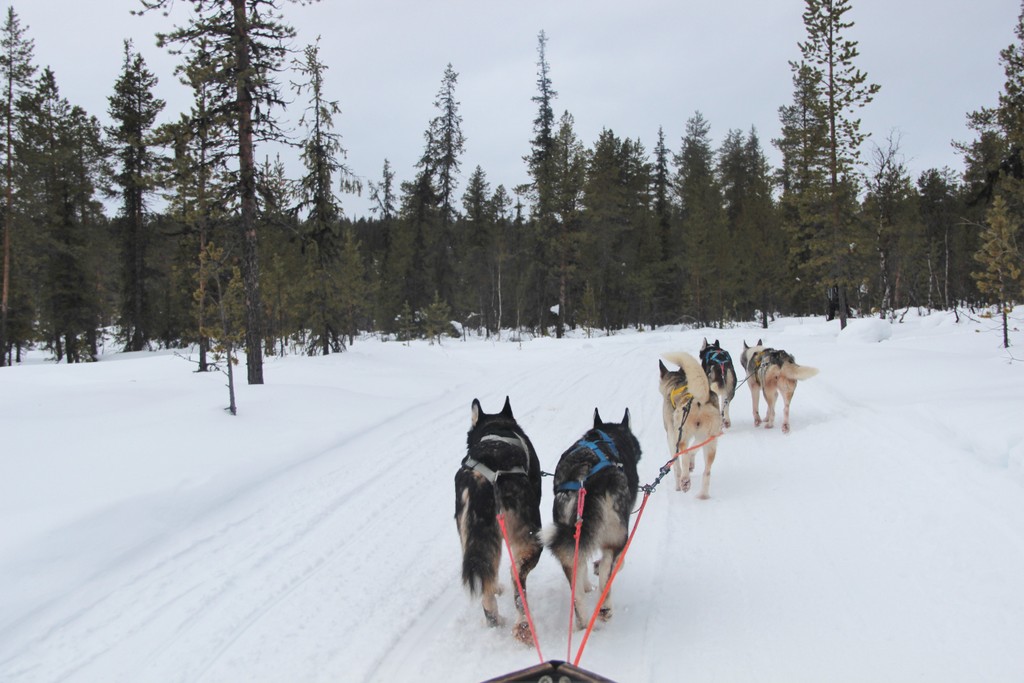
(575, 562)
(519, 585)
(648, 490)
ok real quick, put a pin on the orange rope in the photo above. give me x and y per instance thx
(648, 490)
(575, 561)
(519, 585)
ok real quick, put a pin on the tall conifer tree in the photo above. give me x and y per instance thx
(16, 71)
(841, 89)
(133, 109)
(251, 43)
(321, 156)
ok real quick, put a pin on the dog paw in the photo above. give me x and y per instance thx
(728, 424)
(521, 632)
(606, 613)
(757, 421)
(684, 486)
(785, 428)
(494, 620)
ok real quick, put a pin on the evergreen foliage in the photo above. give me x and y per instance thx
(1001, 259)
(838, 88)
(16, 71)
(606, 233)
(133, 109)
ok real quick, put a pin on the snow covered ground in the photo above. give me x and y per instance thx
(147, 535)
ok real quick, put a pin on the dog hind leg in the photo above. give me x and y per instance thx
(682, 471)
(606, 563)
(771, 393)
(527, 552)
(709, 459)
(788, 389)
(489, 602)
(755, 395)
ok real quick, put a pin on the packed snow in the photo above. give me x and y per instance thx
(148, 535)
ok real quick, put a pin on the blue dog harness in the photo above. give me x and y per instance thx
(602, 460)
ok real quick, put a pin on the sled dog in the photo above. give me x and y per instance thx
(772, 372)
(691, 415)
(500, 473)
(717, 365)
(603, 462)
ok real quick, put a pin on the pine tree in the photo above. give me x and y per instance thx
(541, 191)
(803, 180)
(890, 208)
(940, 209)
(702, 224)
(198, 189)
(1001, 258)
(661, 191)
(478, 251)
(16, 70)
(353, 289)
(754, 273)
(394, 258)
(841, 90)
(250, 44)
(445, 145)
(63, 158)
(505, 253)
(540, 161)
(321, 153)
(568, 176)
(133, 109)
(995, 161)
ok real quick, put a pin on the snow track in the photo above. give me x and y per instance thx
(880, 540)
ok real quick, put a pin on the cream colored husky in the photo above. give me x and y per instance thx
(691, 415)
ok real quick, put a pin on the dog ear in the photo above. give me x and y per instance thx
(705, 344)
(662, 368)
(745, 347)
(597, 419)
(760, 343)
(506, 410)
(717, 343)
(625, 419)
(477, 411)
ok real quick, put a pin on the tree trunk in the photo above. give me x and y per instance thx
(8, 222)
(247, 182)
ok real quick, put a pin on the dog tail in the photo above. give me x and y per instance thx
(696, 380)
(480, 563)
(798, 372)
(481, 542)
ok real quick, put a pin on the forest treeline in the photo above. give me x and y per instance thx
(607, 234)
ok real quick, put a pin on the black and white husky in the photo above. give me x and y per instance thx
(772, 372)
(604, 463)
(500, 473)
(717, 364)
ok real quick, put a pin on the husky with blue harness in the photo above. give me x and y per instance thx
(717, 365)
(600, 468)
(500, 474)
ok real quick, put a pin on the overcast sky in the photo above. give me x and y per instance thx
(626, 66)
